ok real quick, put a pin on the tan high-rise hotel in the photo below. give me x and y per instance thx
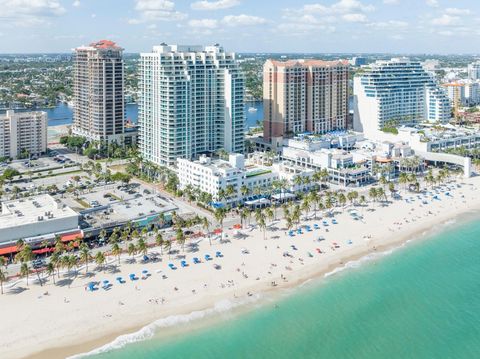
(98, 86)
(304, 96)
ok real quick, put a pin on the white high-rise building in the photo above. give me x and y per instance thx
(474, 71)
(397, 92)
(472, 92)
(23, 134)
(191, 103)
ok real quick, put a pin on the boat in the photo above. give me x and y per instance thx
(252, 109)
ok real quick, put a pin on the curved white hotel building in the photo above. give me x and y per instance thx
(399, 92)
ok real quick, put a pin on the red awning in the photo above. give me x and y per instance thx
(217, 231)
(8, 250)
(43, 250)
(237, 226)
(71, 236)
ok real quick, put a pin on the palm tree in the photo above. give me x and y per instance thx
(206, 227)
(100, 259)
(244, 190)
(55, 259)
(113, 239)
(362, 199)
(116, 251)
(383, 181)
(180, 238)
(142, 246)
(134, 234)
(25, 256)
(24, 270)
(328, 203)
(313, 198)
(85, 255)
(372, 193)
(391, 188)
(220, 214)
(352, 196)
(403, 179)
(3, 277)
(132, 250)
(306, 205)
(298, 181)
(342, 199)
(269, 214)
(244, 213)
(381, 193)
(159, 242)
(51, 271)
(168, 246)
(296, 214)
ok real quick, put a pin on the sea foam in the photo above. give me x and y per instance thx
(148, 331)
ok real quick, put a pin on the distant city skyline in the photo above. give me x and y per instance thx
(322, 26)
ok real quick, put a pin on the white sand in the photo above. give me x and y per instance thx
(71, 320)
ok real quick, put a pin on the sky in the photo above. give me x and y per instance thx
(284, 26)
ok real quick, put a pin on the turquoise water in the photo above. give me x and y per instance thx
(422, 301)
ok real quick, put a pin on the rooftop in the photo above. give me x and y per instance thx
(32, 210)
(308, 63)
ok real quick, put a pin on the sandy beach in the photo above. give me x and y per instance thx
(56, 321)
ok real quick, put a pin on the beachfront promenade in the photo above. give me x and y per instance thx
(91, 309)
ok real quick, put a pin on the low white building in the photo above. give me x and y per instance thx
(23, 132)
(433, 142)
(35, 218)
(314, 155)
(215, 176)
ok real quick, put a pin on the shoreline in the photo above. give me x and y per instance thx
(81, 343)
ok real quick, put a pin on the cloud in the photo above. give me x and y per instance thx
(391, 2)
(214, 5)
(432, 3)
(76, 3)
(229, 20)
(29, 12)
(301, 29)
(317, 16)
(391, 24)
(243, 20)
(203, 23)
(156, 10)
(446, 20)
(354, 17)
(456, 11)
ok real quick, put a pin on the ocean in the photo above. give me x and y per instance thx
(420, 301)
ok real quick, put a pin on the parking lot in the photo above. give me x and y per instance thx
(43, 164)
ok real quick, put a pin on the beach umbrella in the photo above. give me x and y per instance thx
(144, 271)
